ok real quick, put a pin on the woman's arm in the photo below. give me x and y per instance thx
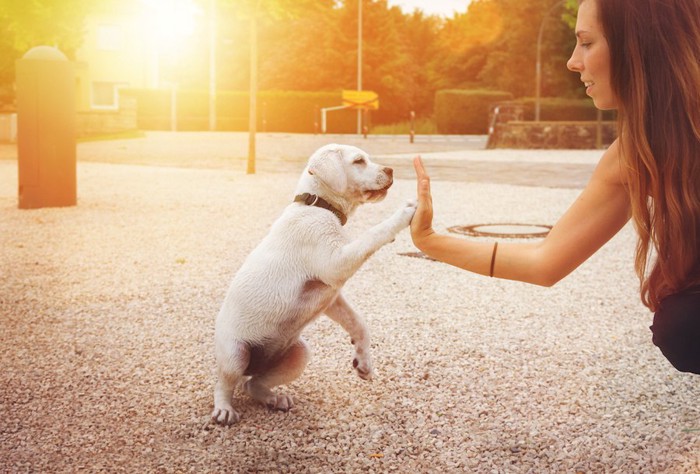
(598, 213)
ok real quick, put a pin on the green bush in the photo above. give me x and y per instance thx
(277, 111)
(422, 126)
(554, 109)
(466, 111)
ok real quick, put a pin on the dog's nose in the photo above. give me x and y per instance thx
(389, 171)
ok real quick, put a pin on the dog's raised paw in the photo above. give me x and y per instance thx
(410, 209)
(404, 215)
(225, 416)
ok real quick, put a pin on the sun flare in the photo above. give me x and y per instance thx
(168, 23)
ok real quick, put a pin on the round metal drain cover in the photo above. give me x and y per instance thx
(522, 231)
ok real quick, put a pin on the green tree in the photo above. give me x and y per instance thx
(311, 45)
(318, 51)
(292, 35)
(7, 65)
(52, 22)
(570, 10)
(511, 65)
(420, 34)
(32, 23)
(299, 53)
(464, 44)
(387, 65)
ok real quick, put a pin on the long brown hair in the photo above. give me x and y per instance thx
(655, 69)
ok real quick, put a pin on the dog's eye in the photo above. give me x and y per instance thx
(359, 161)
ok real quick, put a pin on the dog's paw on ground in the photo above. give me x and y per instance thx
(225, 416)
(363, 368)
(280, 402)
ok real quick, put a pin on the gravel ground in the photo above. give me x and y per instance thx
(107, 313)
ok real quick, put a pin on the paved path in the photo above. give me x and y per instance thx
(448, 157)
(107, 311)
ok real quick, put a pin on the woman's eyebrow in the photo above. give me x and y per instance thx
(579, 33)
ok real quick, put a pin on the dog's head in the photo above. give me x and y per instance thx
(346, 171)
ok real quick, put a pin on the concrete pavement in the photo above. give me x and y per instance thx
(108, 312)
(447, 157)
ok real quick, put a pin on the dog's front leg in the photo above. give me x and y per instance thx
(352, 255)
(342, 313)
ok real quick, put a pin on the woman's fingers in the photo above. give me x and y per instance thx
(422, 177)
(421, 225)
(422, 182)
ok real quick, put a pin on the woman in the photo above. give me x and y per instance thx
(642, 58)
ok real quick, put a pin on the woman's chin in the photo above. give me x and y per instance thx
(604, 104)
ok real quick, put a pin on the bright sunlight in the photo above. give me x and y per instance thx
(168, 23)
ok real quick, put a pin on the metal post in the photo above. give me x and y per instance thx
(365, 127)
(252, 121)
(212, 65)
(491, 141)
(264, 116)
(173, 107)
(359, 61)
(538, 65)
(538, 73)
(413, 126)
(316, 111)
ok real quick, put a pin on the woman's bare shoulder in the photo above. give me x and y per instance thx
(610, 166)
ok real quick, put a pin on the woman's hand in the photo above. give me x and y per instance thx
(422, 223)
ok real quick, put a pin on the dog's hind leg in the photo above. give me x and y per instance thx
(232, 361)
(342, 313)
(287, 368)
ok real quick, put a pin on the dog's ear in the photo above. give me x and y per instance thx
(327, 166)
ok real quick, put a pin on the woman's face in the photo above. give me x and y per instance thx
(591, 57)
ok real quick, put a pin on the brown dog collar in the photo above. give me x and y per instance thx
(316, 201)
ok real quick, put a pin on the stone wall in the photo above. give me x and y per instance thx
(552, 135)
(104, 122)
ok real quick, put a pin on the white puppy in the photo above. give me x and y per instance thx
(295, 274)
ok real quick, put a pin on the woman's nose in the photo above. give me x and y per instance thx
(574, 64)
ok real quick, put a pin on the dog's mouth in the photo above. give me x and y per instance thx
(372, 195)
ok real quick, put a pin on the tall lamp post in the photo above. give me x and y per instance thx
(538, 67)
(359, 61)
(253, 102)
(252, 114)
(212, 65)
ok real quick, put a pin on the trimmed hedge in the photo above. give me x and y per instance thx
(466, 111)
(567, 110)
(277, 111)
(456, 111)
